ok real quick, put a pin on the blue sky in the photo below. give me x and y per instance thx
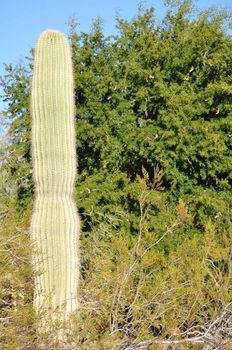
(21, 21)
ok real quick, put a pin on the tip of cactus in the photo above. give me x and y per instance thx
(52, 35)
(51, 31)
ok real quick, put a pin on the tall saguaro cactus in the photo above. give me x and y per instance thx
(55, 222)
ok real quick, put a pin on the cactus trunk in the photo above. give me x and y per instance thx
(55, 223)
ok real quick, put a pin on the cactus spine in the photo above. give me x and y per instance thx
(55, 222)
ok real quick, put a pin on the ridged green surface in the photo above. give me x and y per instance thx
(55, 222)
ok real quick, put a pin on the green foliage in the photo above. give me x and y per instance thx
(164, 281)
(15, 157)
(170, 86)
(153, 122)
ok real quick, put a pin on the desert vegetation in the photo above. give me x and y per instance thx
(153, 122)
